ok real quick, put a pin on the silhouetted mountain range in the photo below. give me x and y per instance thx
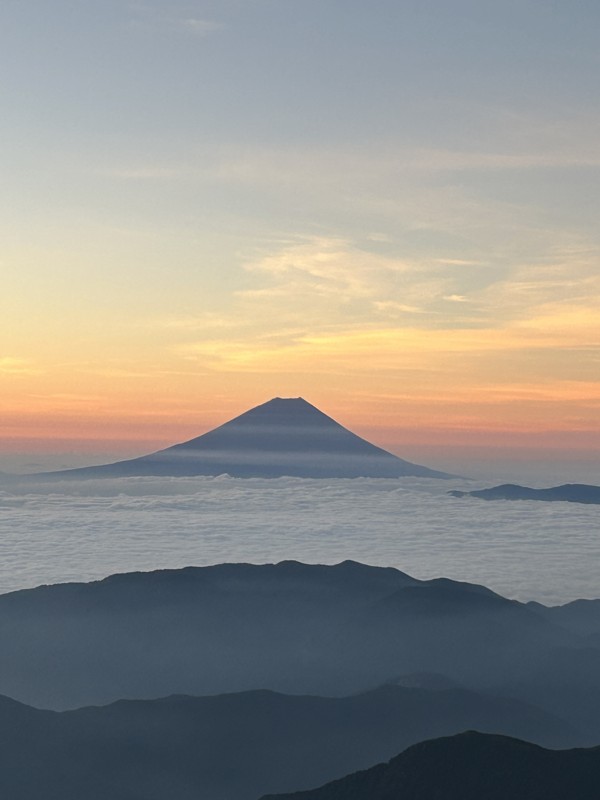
(234, 747)
(569, 492)
(281, 437)
(293, 628)
(471, 766)
(290, 627)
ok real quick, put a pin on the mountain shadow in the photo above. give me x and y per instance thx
(283, 437)
(470, 766)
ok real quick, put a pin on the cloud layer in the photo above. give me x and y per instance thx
(86, 530)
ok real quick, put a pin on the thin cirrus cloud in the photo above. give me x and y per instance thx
(346, 276)
(351, 312)
(233, 161)
(159, 18)
(331, 283)
(199, 27)
(18, 366)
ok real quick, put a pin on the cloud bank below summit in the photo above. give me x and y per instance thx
(75, 531)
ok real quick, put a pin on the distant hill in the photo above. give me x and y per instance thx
(285, 436)
(580, 616)
(569, 493)
(471, 766)
(234, 747)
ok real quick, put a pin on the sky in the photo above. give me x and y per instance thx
(388, 208)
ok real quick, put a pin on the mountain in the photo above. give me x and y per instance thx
(290, 627)
(567, 682)
(471, 766)
(234, 747)
(281, 437)
(568, 492)
(580, 616)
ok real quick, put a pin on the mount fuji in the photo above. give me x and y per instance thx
(283, 437)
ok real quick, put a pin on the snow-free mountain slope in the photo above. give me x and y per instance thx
(236, 746)
(283, 437)
(290, 627)
(470, 766)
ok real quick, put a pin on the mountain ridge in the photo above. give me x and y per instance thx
(296, 628)
(470, 766)
(237, 745)
(566, 492)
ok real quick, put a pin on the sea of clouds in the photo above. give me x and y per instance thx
(83, 530)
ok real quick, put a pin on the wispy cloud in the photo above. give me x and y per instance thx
(342, 310)
(141, 173)
(350, 281)
(18, 366)
(207, 322)
(149, 17)
(200, 27)
(320, 284)
(394, 308)
(373, 167)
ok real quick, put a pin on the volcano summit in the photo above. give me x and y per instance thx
(283, 437)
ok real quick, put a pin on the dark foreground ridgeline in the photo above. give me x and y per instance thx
(471, 766)
(234, 747)
(283, 437)
(568, 492)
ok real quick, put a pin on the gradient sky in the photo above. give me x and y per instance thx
(389, 208)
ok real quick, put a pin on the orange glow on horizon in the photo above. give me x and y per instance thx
(535, 375)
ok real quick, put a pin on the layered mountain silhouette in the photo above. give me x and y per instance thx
(292, 628)
(283, 437)
(568, 492)
(238, 746)
(471, 766)
(581, 616)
